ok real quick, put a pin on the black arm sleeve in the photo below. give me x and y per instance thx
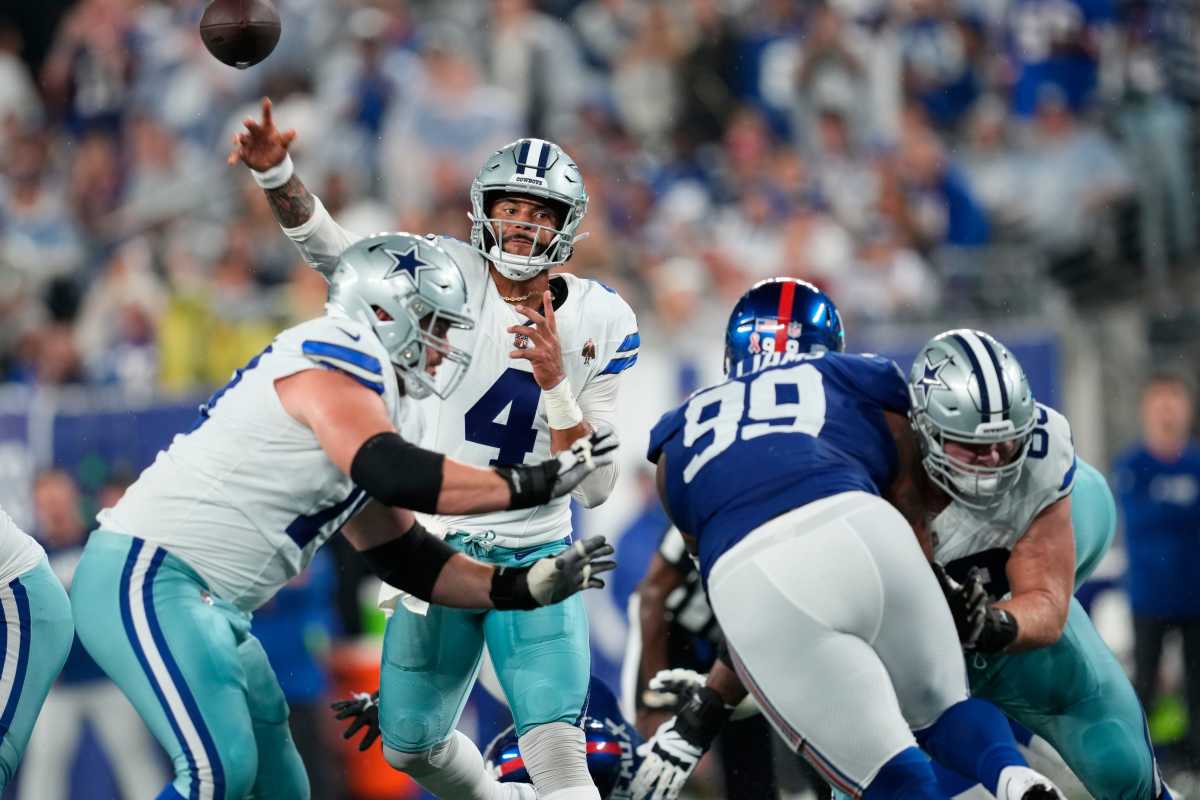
(398, 473)
(411, 562)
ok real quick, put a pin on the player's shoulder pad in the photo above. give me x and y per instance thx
(338, 343)
(1051, 459)
(663, 430)
(874, 377)
(617, 337)
(470, 262)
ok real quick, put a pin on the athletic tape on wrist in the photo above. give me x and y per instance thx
(562, 411)
(277, 175)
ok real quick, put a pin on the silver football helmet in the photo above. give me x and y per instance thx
(539, 169)
(411, 292)
(968, 388)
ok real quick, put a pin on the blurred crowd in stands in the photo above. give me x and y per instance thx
(886, 149)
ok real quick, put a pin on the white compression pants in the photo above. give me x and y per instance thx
(837, 625)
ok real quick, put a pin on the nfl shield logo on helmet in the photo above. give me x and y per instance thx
(588, 352)
(794, 329)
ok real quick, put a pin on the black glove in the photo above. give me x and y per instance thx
(982, 627)
(998, 632)
(538, 484)
(552, 579)
(364, 709)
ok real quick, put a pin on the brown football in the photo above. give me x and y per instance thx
(240, 33)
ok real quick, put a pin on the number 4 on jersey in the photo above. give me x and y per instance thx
(517, 391)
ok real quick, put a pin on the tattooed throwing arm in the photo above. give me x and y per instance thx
(264, 149)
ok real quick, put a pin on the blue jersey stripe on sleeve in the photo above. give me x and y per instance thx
(377, 388)
(347, 354)
(1070, 476)
(630, 342)
(619, 365)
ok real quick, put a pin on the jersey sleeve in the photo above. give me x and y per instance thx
(666, 427)
(321, 240)
(1051, 460)
(340, 344)
(874, 378)
(619, 350)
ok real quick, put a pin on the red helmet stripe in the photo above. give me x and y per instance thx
(512, 766)
(786, 297)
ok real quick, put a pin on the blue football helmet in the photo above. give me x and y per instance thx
(611, 748)
(782, 315)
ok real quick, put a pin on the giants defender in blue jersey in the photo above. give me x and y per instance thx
(833, 617)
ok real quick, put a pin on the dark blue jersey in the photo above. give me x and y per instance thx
(786, 429)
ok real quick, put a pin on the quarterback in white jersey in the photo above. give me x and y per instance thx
(303, 438)
(546, 355)
(35, 621)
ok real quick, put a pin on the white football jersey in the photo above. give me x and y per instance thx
(19, 552)
(248, 495)
(496, 415)
(965, 537)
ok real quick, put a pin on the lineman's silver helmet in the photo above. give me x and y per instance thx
(411, 292)
(966, 387)
(540, 169)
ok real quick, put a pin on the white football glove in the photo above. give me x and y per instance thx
(671, 755)
(668, 760)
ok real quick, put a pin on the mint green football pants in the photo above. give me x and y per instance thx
(189, 665)
(542, 658)
(1074, 693)
(35, 622)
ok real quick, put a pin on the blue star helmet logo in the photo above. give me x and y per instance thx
(932, 379)
(408, 261)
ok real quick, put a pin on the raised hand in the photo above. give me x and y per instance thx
(261, 146)
(544, 352)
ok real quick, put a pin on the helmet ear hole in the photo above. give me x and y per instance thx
(381, 314)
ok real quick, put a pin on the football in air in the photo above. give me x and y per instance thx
(240, 33)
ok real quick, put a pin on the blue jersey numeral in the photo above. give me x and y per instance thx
(207, 408)
(517, 391)
(1039, 443)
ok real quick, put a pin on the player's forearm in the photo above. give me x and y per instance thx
(562, 439)
(471, 490)
(652, 619)
(464, 583)
(292, 204)
(1041, 616)
(726, 683)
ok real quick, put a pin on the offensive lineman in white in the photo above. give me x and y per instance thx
(546, 356)
(35, 622)
(301, 440)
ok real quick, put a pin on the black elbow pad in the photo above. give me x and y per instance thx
(411, 563)
(398, 473)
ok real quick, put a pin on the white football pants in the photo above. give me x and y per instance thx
(838, 627)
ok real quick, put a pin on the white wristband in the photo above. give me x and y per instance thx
(562, 411)
(277, 175)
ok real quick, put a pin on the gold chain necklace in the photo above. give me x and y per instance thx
(520, 299)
